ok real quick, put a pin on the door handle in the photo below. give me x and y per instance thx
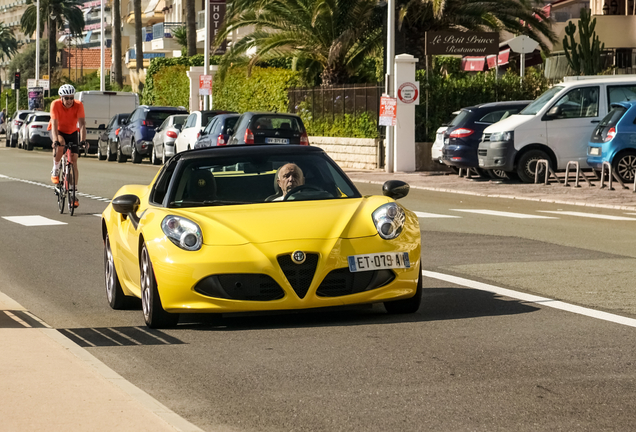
(595, 121)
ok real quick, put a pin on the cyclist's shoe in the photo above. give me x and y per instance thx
(76, 203)
(55, 176)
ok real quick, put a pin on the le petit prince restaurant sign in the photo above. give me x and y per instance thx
(462, 43)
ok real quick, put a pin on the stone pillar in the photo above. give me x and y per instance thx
(404, 131)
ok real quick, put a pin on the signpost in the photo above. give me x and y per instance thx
(44, 83)
(523, 45)
(388, 111)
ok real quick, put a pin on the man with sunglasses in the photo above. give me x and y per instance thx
(68, 125)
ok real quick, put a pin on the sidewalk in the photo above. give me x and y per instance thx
(48, 383)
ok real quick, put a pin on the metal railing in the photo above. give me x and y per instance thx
(165, 29)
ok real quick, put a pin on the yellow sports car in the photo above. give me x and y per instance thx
(256, 228)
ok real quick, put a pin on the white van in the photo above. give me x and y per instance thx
(557, 126)
(100, 107)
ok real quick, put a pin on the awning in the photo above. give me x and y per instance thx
(150, 9)
(87, 39)
(62, 38)
(473, 63)
(504, 58)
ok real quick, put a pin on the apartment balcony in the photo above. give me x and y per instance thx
(131, 58)
(151, 13)
(162, 38)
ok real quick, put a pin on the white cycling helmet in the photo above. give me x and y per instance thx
(66, 90)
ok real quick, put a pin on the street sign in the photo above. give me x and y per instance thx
(523, 44)
(42, 83)
(205, 85)
(46, 77)
(388, 111)
(409, 93)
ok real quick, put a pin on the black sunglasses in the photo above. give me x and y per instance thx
(68, 98)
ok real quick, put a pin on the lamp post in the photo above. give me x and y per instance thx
(37, 43)
(102, 62)
(390, 68)
(206, 50)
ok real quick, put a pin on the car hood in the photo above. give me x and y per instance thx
(280, 221)
(508, 124)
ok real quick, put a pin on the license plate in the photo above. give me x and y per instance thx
(481, 162)
(595, 151)
(276, 141)
(378, 261)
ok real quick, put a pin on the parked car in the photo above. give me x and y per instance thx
(16, 120)
(192, 128)
(107, 140)
(165, 136)
(557, 126)
(462, 137)
(269, 128)
(218, 131)
(436, 149)
(22, 130)
(36, 132)
(614, 141)
(206, 238)
(100, 107)
(136, 134)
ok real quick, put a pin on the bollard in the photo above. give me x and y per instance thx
(567, 173)
(548, 172)
(612, 175)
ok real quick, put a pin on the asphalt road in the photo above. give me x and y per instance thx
(469, 360)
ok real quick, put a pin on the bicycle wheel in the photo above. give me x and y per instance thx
(61, 190)
(71, 189)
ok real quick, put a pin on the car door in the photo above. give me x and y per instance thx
(126, 132)
(569, 133)
(181, 144)
(127, 252)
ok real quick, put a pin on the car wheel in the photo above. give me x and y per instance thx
(114, 293)
(13, 141)
(163, 155)
(497, 174)
(121, 157)
(111, 156)
(528, 163)
(624, 165)
(153, 157)
(410, 305)
(29, 145)
(154, 314)
(7, 143)
(136, 157)
(100, 156)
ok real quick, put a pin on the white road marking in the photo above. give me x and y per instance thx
(18, 320)
(33, 220)
(589, 215)
(433, 215)
(504, 214)
(544, 301)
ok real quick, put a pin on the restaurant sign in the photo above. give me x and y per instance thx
(462, 43)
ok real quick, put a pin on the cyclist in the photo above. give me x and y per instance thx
(67, 121)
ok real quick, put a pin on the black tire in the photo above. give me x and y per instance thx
(153, 158)
(121, 157)
(497, 174)
(100, 156)
(624, 165)
(7, 143)
(29, 146)
(163, 155)
(61, 196)
(111, 156)
(13, 142)
(406, 306)
(154, 314)
(135, 157)
(71, 191)
(528, 162)
(114, 293)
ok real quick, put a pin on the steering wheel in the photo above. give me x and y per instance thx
(300, 188)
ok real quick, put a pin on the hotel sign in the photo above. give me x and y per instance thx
(217, 16)
(462, 43)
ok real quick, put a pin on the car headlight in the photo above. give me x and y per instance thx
(182, 232)
(389, 220)
(502, 136)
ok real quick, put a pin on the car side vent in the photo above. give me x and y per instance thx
(482, 152)
(299, 275)
(486, 137)
(342, 282)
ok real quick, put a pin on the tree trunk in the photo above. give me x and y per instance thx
(139, 43)
(51, 27)
(116, 33)
(191, 24)
(332, 76)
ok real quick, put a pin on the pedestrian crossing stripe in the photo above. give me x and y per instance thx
(590, 215)
(433, 215)
(504, 214)
(33, 220)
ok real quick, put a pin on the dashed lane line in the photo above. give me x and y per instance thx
(504, 214)
(590, 215)
(48, 186)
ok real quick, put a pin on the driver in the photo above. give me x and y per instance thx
(289, 176)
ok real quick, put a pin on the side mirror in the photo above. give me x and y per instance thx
(395, 189)
(554, 112)
(203, 132)
(101, 127)
(127, 205)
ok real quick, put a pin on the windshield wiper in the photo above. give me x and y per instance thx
(186, 203)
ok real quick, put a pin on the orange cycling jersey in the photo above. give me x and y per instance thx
(66, 117)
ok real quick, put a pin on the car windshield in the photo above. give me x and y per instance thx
(42, 118)
(251, 179)
(541, 101)
(273, 122)
(460, 117)
(23, 115)
(155, 118)
(613, 116)
(179, 120)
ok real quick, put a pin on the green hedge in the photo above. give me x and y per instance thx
(364, 125)
(264, 90)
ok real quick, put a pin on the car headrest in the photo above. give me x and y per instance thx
(202, 186)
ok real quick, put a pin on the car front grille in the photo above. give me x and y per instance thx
(486, 137)
(240, 286)
(482, 152)
(299, 275)
(341, 282)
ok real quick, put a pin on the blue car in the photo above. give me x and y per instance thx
(136, 134)
(218, 131)
(614, 141)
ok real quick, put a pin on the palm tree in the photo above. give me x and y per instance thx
(328, 37)
(58, 13)
(514, 16)
(117, 58)
(139, 46)
(8, 44)
(191, 26)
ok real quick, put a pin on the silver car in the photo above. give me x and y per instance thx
(163, 143)
(17, 119)
(36, 132)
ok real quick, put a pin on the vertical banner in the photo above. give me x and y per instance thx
(205, 85)
(217, 16)
(388, 111)
(36, 98)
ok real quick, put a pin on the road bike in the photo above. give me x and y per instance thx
(65, 189)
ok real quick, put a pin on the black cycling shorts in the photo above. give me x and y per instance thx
(72, 140)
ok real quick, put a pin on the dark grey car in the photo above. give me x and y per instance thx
(269, 128)
(107, 139)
